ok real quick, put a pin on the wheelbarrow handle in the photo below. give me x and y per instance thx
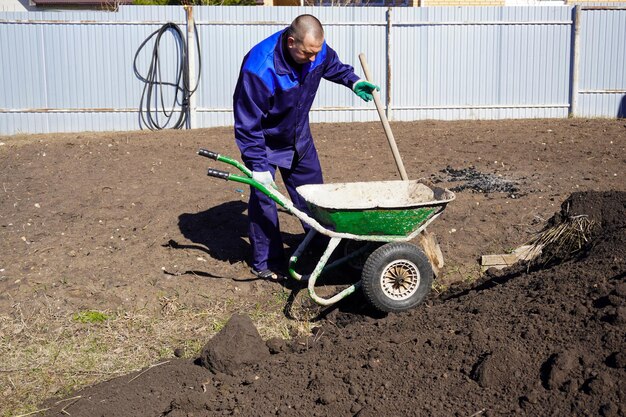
(222, 158)
(208, 154)
(218, 174)
(268, 191)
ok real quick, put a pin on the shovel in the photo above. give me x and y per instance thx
(427, 240)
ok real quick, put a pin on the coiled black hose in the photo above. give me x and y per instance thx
(154, 84)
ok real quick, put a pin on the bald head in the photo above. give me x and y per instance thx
(305, 39)
(306, 25)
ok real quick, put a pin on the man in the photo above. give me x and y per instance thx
(277, 84)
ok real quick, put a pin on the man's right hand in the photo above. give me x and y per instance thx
(265, 178)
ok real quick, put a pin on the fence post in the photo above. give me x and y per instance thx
(191, 67)
(388, 81)
(575, 62)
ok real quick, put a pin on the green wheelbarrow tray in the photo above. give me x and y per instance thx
(378, 211)
(385, 208)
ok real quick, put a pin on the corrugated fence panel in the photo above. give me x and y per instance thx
(228, 33)
(21, 81)
(351, 31)
(480, 63)
(73, 71)
(602, 80)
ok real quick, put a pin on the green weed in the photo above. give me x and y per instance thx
(90, 316)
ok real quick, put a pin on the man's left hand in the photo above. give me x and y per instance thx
(265, 178)
(365, 89)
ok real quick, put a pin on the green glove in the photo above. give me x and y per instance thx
(364, 89)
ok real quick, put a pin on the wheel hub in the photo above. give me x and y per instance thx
(400, 279)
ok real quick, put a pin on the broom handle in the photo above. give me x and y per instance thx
(384, 121)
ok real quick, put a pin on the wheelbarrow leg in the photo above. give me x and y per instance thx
(296, 255)
(318, 271)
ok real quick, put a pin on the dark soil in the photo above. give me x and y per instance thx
(111, 221)
(237, 346)
(550, 342)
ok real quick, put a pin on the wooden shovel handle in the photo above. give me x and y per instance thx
(384, 121)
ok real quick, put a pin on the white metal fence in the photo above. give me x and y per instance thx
(73, 71)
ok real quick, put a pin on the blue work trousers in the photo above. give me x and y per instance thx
(264, 229)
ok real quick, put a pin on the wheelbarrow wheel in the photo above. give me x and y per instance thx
(396, 277)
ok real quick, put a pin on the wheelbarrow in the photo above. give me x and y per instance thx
(375, 220)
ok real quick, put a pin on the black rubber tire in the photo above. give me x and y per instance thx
(391, 265)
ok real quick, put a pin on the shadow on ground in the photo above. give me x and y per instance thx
(221, 232)
(218, 231)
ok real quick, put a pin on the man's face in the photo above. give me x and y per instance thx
(305, 51)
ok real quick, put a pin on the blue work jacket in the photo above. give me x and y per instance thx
(272, 100)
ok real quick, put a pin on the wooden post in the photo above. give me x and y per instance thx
(575, 62)
(191, 67)
(388, 87)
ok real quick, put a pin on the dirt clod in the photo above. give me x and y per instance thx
(503, 367)
(236, 346)
(559, 369)
(276, 345)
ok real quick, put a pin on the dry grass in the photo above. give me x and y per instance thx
(562, 240)
(48, 354)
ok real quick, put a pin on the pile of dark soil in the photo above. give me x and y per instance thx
(600, 211)
(547, 342)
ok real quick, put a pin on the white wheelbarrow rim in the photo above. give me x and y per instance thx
(400, 279)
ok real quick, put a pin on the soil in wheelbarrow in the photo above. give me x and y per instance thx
(533, 340)
(118, 252)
